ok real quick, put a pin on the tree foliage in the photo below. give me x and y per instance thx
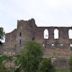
(31, 56)
(1, 33)
(46, 66)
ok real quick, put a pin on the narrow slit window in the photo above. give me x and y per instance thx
(20, 42)
(20, 34)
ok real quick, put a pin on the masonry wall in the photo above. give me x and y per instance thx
(10, 42)
(27, 31)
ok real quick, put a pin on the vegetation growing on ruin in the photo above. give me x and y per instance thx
(2, 33)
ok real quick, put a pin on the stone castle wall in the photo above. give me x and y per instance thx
(27, 30)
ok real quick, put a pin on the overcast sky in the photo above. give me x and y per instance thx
(45, 12)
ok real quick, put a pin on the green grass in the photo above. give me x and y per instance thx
(62, 70)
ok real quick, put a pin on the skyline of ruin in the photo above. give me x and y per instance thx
(45, 12)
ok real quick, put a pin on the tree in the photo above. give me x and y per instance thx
(2, 33)
(31, 56)
(46, 66)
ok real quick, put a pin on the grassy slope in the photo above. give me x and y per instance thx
(62, 70)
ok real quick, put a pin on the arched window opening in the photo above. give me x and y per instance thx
(46, 34)
(70, 34)
(56, 34)
(70, 45)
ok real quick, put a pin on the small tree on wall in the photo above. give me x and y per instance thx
(30, 57)
(2, 33)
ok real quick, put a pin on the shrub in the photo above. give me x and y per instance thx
(30, 56)
(46, 66)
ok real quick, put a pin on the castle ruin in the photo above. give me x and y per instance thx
(28, 30)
